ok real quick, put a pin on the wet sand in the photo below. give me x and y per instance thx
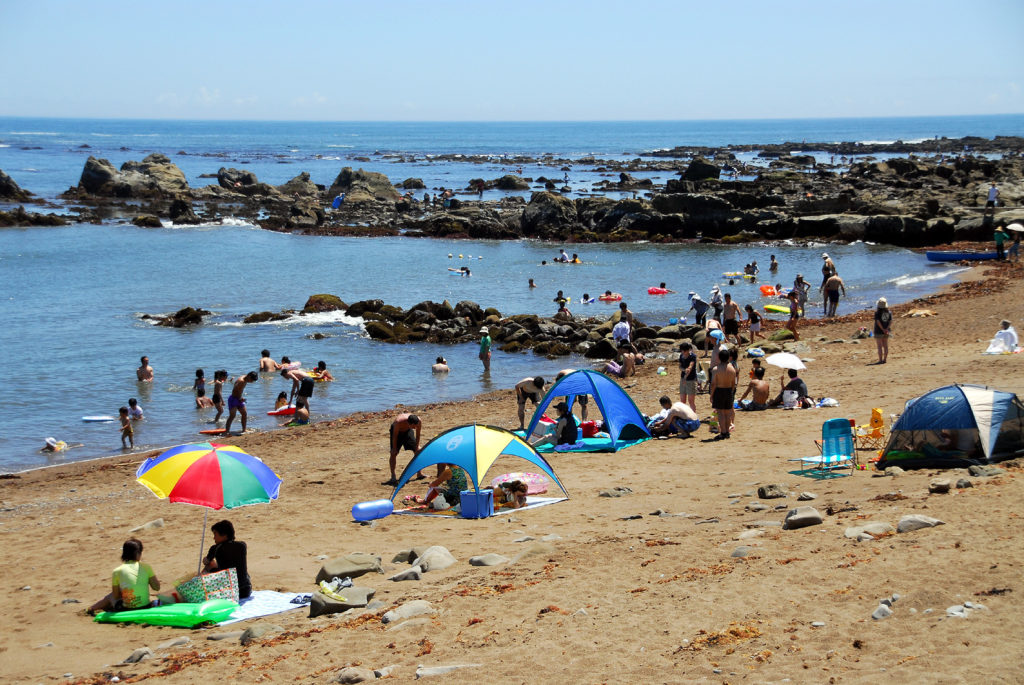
(649, 599)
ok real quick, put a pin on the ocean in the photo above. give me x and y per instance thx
(72, 297)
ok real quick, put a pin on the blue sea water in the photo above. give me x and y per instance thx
(71, 298)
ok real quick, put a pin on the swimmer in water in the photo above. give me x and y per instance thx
(532, 284)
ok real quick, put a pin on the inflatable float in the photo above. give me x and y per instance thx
(98, 419)
(587, 301)
(283, 411)
(211, 611)
(214, 431)
(375, 509)
(768, 290)
(776, 309)
(614, 297)
(732, 274)
(657, 291)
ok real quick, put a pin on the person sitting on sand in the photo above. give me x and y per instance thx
(679, 419)
(760, 389)
(403, 433)
(440, 366)
(267, 363)
(454, 480)
(227, 552)
(796, 385)
(202, 401)
(511, 494)
(1005, 340)
(625, 363)
(131, 582)
(528, 389)
(566, 431)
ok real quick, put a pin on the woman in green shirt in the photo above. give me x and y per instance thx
(131, 582)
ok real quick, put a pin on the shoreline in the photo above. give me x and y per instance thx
(965, 286)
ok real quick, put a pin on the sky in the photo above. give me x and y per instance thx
(530, 60)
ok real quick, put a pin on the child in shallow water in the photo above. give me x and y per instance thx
(282, 401)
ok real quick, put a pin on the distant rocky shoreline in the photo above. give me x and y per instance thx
(931, 196)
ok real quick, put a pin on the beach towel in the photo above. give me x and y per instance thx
(264, 603)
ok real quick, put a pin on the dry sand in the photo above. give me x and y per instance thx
(651, 599)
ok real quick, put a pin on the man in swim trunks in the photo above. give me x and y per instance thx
(582, 400)
(760, 389)
(302, 384)
(528, 389)
(731, 319)
(236, 401)
(723, 392)
(403, 433)
(145, 372)
(680, 420)
(831, 288)
(266, 363)
(485, 348)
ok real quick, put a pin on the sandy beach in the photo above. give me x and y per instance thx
(605, 590)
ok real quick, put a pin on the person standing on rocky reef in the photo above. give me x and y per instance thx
(485, 348)
(831, 289)
(145, 372)
(993, 199)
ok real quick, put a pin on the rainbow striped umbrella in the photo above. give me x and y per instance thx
(211, 476)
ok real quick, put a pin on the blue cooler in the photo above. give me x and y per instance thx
(477, 505)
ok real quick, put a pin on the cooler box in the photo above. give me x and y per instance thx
(477, 505)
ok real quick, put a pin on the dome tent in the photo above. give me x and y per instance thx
(954, 426)
(623, 422)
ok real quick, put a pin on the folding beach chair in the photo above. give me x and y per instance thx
(872, 436)
(837, 451)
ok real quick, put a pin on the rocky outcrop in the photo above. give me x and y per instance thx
(300, 186)
(547, 215)
(147, 221)
(363, 186)
(323, 302)
(9, 190)
(234, 179)
(510, 182)
(413, 184)
(700, 169)
(19, 217)
(189, 316)
(155, 177)
(181, 212)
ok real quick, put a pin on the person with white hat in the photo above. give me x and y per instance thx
(828, 268)
(700, 307)
(716, 302)
(485, 348)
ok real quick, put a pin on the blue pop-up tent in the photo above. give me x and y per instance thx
(623, 422)
(954, 426)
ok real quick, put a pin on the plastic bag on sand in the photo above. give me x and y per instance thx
(439, 503)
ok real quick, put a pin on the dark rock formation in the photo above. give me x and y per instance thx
(323, 302)
(300, 186)
(412, 184)
(181, 212)
(363, 186)
(189, 316)
(147, 221)
(263, 317)
(19, 217)
(153, 177)
(510, 182)
(700, 169)
(9, 190)
(234, 179)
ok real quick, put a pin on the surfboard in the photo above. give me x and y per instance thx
(214, 431)
(98, 419)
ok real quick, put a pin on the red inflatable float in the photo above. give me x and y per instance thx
(768, 290)
(657, 291)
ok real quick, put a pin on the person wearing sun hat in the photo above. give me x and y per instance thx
(828, 268)
(485, 348)
(883, 324)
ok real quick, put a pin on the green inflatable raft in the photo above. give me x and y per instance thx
(178, 615)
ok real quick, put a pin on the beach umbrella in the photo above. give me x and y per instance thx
(1015, 227)
(474, 448)
(785, 360)
(211, 476)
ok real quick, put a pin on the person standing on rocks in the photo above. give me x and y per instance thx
(236, 400)
(831, 289)
(626, 315)
(485, 348)
(993, 199)
(145, 372)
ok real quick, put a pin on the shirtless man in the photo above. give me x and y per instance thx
(528, 389)
(582, 400)
(145, 372)
(723, 391)
(681, 419)
(268, 364)
(731, 319)
(404, 432)
(627, 316)
(760, 389)
(302, 385)
(236, 401)
(831, 288)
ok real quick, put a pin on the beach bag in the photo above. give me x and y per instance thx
(790, 398)
(588, 428)
(219, 585)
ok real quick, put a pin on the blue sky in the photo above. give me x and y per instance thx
(525, 60)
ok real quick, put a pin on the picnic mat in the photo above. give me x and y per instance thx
(531, 503)
(595, 444)
(264, 603)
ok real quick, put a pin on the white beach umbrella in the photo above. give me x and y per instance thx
(785, 360)
(1015, 227)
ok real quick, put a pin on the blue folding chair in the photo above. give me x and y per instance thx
(838, 451)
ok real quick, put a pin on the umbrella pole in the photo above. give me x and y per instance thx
(202, 542)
